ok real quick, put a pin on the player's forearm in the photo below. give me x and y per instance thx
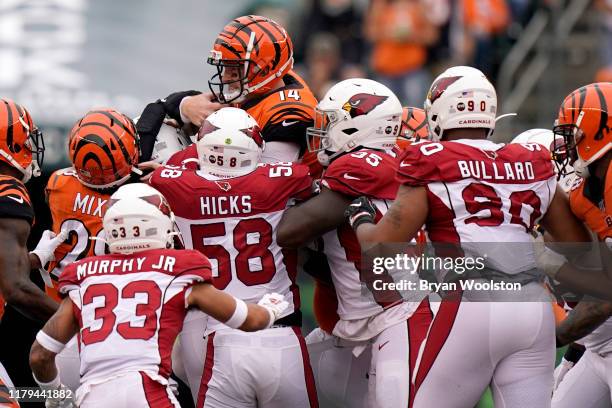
(588, 281)
(581, 321)
(29, 300)
(258, 318)
(42, 363)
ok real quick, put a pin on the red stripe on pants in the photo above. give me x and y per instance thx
(438, 334)
(156, 393)
(308, 376)
(208, 369)
(418, 325)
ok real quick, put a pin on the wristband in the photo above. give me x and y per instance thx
(49, 342)
(239, 316)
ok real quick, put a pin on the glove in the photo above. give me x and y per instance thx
(562, 369)
(47, 245)
(64, 398)
(548, 261)
(275, 303)
(360, 211)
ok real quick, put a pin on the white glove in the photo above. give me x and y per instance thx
(275, 303)
(548, 261)
(64, 395)
(562, 369)
(47, 245)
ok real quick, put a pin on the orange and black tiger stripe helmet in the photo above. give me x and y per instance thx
(414, 127)
(21, 143)
(103, 148)
(249, 53)
(585, 123)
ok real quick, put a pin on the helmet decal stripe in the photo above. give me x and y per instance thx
(228, 47)
(603, 120)
(583, 93)
(118, 140)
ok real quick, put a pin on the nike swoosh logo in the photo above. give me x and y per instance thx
(346, 176)
(18, 199)
(383, 345)
(402, 164)
(293, 122)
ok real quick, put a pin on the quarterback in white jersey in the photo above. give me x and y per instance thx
(467, 191)
(229, 210)
(128, 308)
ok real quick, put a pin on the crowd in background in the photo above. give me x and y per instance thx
(405, 43)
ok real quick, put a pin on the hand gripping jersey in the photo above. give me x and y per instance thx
(594, 208)
(14, 203)
(130, 308)
(79, 211)
(370, 173)
(283, 116)
(483, 192)
(234, 221)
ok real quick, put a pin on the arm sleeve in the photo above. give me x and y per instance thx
(151, 120)
(172, 104)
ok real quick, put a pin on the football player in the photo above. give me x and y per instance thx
(359, 121)
(466, 189)
(414, 127)
(103, 149)
(229, 210)
(21, 155)
(253, 58)
(583, 125)
(128, 308)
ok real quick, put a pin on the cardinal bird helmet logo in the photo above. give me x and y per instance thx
(363, 103)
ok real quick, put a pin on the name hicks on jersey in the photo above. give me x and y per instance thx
(225, 205)
(164, 262)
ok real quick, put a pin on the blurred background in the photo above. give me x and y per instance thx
(60, 58)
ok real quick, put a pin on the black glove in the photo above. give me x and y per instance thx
(360, 211)
(172, 104)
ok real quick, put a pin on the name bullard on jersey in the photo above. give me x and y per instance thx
(493, 171)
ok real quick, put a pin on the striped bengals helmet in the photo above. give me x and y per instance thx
(249, 53)
(414, 127)
(585, 123)
(103, 148)
(21, 143)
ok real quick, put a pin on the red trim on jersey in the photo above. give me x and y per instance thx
(208, 370)
(438, 334)
(77, 313)
(156, 393)
(308, 376)
(440, 223)
(170, 325)
(418, 325)
(290, 261)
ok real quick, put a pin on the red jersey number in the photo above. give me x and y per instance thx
(251, 238)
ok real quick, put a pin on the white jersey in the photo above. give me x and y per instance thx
(234, 221)
(130, 308)
(483, 195)
(360, 295)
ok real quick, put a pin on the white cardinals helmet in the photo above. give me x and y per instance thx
(138, 218)
(354, 112)
(547, 138)
(460, 97)
(229, 143)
